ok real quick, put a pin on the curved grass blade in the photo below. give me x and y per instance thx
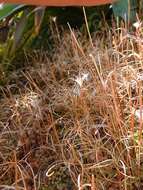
(8, 10)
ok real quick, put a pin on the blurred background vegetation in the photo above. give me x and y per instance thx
(28, 28)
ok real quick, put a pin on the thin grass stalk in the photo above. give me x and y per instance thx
(87, 27)
(93, 185)
(16, 171)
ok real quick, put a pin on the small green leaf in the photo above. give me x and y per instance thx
(9, 9)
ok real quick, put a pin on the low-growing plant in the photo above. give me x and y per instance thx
(75, 121)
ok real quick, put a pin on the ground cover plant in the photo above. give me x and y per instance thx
(74, 120)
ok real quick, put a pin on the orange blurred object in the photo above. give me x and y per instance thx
(60, 2)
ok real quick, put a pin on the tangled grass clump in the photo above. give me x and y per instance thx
(76, 120)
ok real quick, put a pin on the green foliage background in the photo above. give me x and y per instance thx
(25, 27)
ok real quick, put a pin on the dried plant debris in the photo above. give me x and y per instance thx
(76, 123)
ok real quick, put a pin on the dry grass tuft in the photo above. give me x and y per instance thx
(76, 122)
